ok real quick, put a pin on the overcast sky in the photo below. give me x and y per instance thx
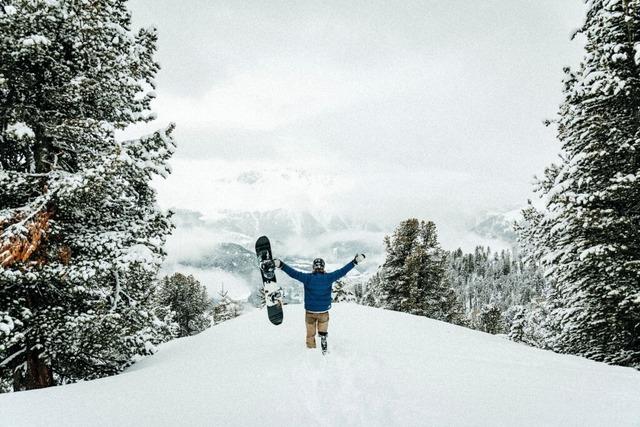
(414, 108)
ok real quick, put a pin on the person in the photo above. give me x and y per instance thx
(317, 295)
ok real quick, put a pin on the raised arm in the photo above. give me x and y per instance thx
(335, 275)
(293, 273)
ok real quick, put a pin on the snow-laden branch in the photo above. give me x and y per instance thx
(8, 360)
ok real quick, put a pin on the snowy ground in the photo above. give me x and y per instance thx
(385, 368)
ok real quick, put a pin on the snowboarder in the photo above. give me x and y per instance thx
(317, 295)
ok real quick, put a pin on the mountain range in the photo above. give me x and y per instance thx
(218, 250)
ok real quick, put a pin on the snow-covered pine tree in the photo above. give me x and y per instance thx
(490, 319)
(425, 268)
(188, 300)
(81, 237)
(452, 308)
(588, 234)
(540, 328)
(392, 290)
(341, 293)
(485, 277)
(516, 330)
(412, 278)
(226, 308)
(372, 292)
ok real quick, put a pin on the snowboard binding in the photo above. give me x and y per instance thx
(268, 268)
(273, 297)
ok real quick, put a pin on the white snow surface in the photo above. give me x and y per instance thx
(35, 40)
(10, 10)
(21, 130)
(384, 368)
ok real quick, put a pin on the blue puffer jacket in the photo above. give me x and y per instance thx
(317, 286)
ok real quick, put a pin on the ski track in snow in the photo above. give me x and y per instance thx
(337, 387)
(383, 368)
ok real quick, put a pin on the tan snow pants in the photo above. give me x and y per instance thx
(319, 321)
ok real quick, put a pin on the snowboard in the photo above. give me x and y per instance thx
(272, 291)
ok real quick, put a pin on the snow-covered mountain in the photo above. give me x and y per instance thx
(250, 186)
(230, 257)
(281, 225)
(220, 250)
(498, 225)
(249, 372)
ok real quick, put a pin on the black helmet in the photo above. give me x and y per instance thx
(318, 264)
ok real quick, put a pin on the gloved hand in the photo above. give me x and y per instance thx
(278, 263)
(359, 258)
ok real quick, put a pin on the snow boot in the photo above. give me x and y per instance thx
(323, 341)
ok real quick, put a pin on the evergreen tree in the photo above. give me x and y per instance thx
(341, 293)
(540, 328)
(393, 284)
(485, 277)
(371, 295)
(226, 308)
(81, 237)
(188, 300)
(359, 290)
(516, 331)
(412, 278)
(452, 309)
(588, 234)
(490, 320)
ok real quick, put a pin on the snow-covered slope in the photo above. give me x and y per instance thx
(385, 368)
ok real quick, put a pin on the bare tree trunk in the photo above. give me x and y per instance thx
(39, 374)
(41, 151)
(19, 383)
